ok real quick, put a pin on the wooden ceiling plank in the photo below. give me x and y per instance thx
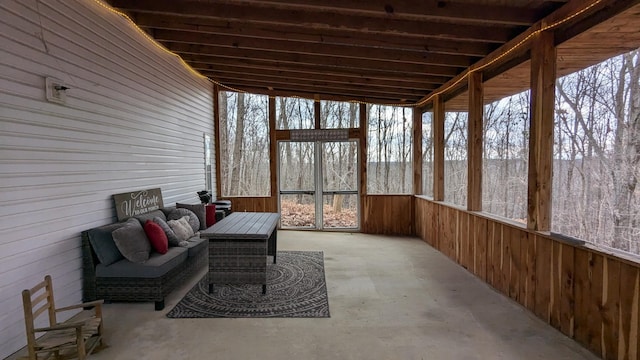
(605, 13)
(280, 57)
(354, 52)
(315, 96)
(422, 9)
(498, 58)
(320, 29)
(211, 63)
(306, 18)
(326, 35)
(320, 86)
(400, 80)
(359, 95)
(228, 71)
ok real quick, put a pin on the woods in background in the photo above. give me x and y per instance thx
(596, 152)
(596, 155)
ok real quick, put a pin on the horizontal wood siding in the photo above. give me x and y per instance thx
(387, 214)
(590, 296)
(254, 204)
(134, 119)
(383, 214)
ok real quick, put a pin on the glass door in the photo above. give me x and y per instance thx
(297, 184)
(318, 185)
(340, 199)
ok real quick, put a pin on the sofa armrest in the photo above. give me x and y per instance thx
(89, 263)
(220, 214)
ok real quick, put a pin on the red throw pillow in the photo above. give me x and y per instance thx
(157, 237)
(210, 214)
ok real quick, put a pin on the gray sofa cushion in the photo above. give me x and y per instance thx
(167, 210)
(156, 266)
(132, 241)
(193, 219)
(103, 245)
(149, 216)
(196, 244)
(199, 210)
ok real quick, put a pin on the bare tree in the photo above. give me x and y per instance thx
(626, 152)
(505, 157)
(455, 156)
(237, 154)
(597, 153)
(427, 153)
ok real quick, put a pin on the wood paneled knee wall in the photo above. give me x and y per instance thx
(588, 295)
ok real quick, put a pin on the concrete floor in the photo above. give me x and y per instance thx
(389, 297)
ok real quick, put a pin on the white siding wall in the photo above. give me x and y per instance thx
(134, 119)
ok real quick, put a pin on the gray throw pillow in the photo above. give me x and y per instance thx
(103, 244)
(132, 241)
(176, 214)
(171, 236)
(199, 210)
(149, 216)
(181, 228)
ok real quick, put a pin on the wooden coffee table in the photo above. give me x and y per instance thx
(238, 248)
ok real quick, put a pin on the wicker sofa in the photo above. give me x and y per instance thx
(123, 280)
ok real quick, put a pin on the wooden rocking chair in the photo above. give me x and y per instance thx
(75, 338)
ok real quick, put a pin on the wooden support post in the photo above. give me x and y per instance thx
(216, 134)
(273, 150)
(363, 160)
(363, 149)
(474, 158)
(543, 85)
(438, 148)
(316, 111)
(417, 151)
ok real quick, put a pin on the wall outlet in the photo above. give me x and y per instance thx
(55, 90)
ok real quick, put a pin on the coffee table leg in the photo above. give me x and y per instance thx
(264, 289)
(275, 244)
(210, 288)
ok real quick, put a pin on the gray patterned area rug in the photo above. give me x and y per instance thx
(296, 288)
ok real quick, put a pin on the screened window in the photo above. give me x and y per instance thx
(455, 157)
(596, 164)
(339, 115)
(427, 153)
(389, 147)
(506, 157)
(294, 113)
(244, 144)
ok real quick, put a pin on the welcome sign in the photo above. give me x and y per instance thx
(137, 202)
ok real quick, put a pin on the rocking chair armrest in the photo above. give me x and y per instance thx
(63, 326)
(83, 305)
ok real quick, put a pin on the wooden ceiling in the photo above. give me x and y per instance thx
(374, 51)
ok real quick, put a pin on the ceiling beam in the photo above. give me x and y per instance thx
(354, 52)
(321, 19)
(511, 54)
(281, 57)
(423, 9)
(279, 82)
(315, 96)
(242, 73)
(212, 63)
(352, 94)
(338, 36)
(605, 12)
